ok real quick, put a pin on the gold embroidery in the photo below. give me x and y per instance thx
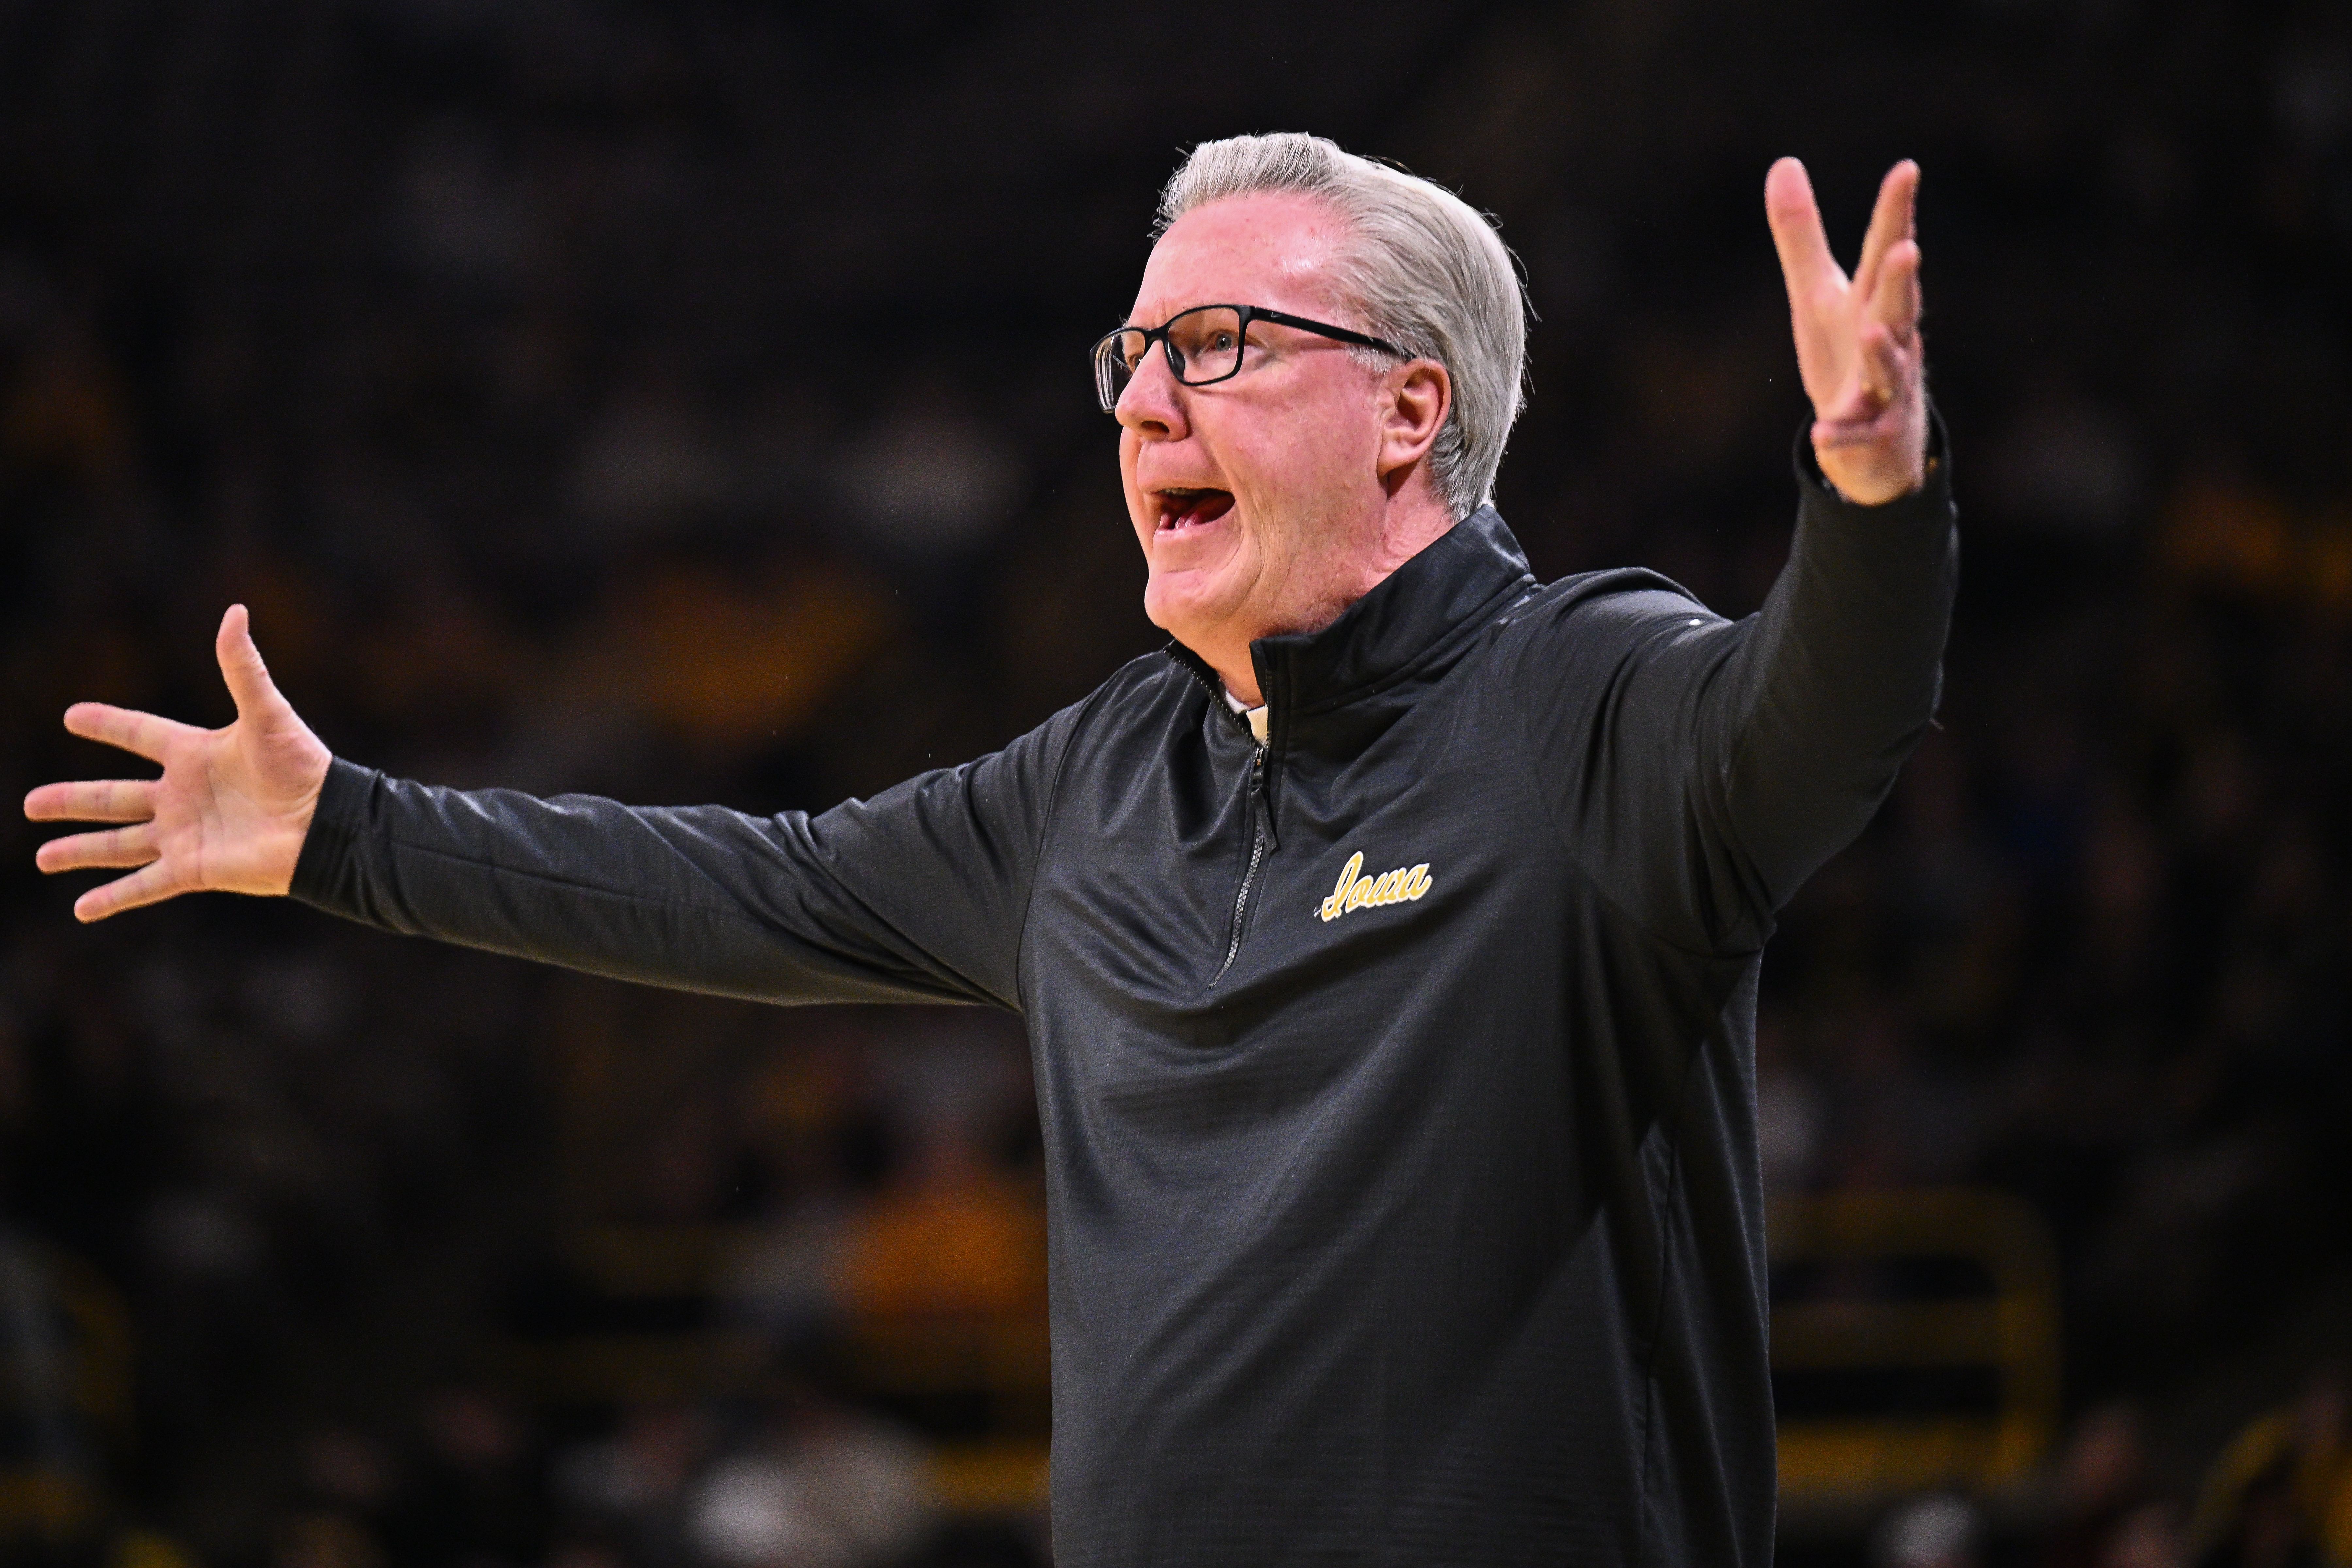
(1357, 891)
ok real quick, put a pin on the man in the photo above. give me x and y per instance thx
(1388, 948)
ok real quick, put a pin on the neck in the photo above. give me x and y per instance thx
(1410, 525)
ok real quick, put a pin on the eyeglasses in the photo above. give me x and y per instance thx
(1203, 345)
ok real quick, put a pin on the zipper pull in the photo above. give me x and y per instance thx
(1265, 804)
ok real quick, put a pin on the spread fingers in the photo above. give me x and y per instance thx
(1796, 220)
(1892, 221)
(152, 885)
(1894, 293)
(93, 800)
(142, 735)
(109, 850)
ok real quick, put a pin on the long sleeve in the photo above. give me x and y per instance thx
(1700, 769)
(918, 894)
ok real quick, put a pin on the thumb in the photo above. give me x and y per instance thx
(249, 685)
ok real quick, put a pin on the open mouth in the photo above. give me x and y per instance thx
(1180, 509)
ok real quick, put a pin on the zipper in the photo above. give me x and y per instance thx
(1262, 833)
(1261, 825)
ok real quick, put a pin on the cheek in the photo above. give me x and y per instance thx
(1307, 454)
(1262, 464)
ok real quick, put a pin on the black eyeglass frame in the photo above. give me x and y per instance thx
(1248, 313)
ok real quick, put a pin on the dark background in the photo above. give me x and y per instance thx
(687, 402)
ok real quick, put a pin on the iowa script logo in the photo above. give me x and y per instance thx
(1358, 891)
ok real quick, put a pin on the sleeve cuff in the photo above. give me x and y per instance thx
(1933, 498)
(343, 807)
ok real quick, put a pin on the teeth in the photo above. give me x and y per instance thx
(1179, 507)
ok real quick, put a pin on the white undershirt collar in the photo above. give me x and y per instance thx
(1256, 716)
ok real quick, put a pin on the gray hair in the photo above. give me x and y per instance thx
(1427, 270)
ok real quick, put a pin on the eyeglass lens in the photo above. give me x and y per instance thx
(1204, 344)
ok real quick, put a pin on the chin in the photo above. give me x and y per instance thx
(1183, 610)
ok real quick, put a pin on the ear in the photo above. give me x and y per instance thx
(1415, 398)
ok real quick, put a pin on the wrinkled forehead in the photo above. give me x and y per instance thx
(1271, 250)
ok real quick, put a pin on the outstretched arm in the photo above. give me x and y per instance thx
(229, 813)
(918, 894)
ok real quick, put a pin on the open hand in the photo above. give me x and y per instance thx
(229, 814)
(1858, 344)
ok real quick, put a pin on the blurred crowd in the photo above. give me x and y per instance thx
(686, 402)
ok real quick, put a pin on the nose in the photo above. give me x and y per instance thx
(1152, 403)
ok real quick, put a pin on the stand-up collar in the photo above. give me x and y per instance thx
(1409, 621)
(1412, 617)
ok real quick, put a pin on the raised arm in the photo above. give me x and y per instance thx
(1701, 769)
(228, 814)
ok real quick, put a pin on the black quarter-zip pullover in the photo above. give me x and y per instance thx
(1395, 1076)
